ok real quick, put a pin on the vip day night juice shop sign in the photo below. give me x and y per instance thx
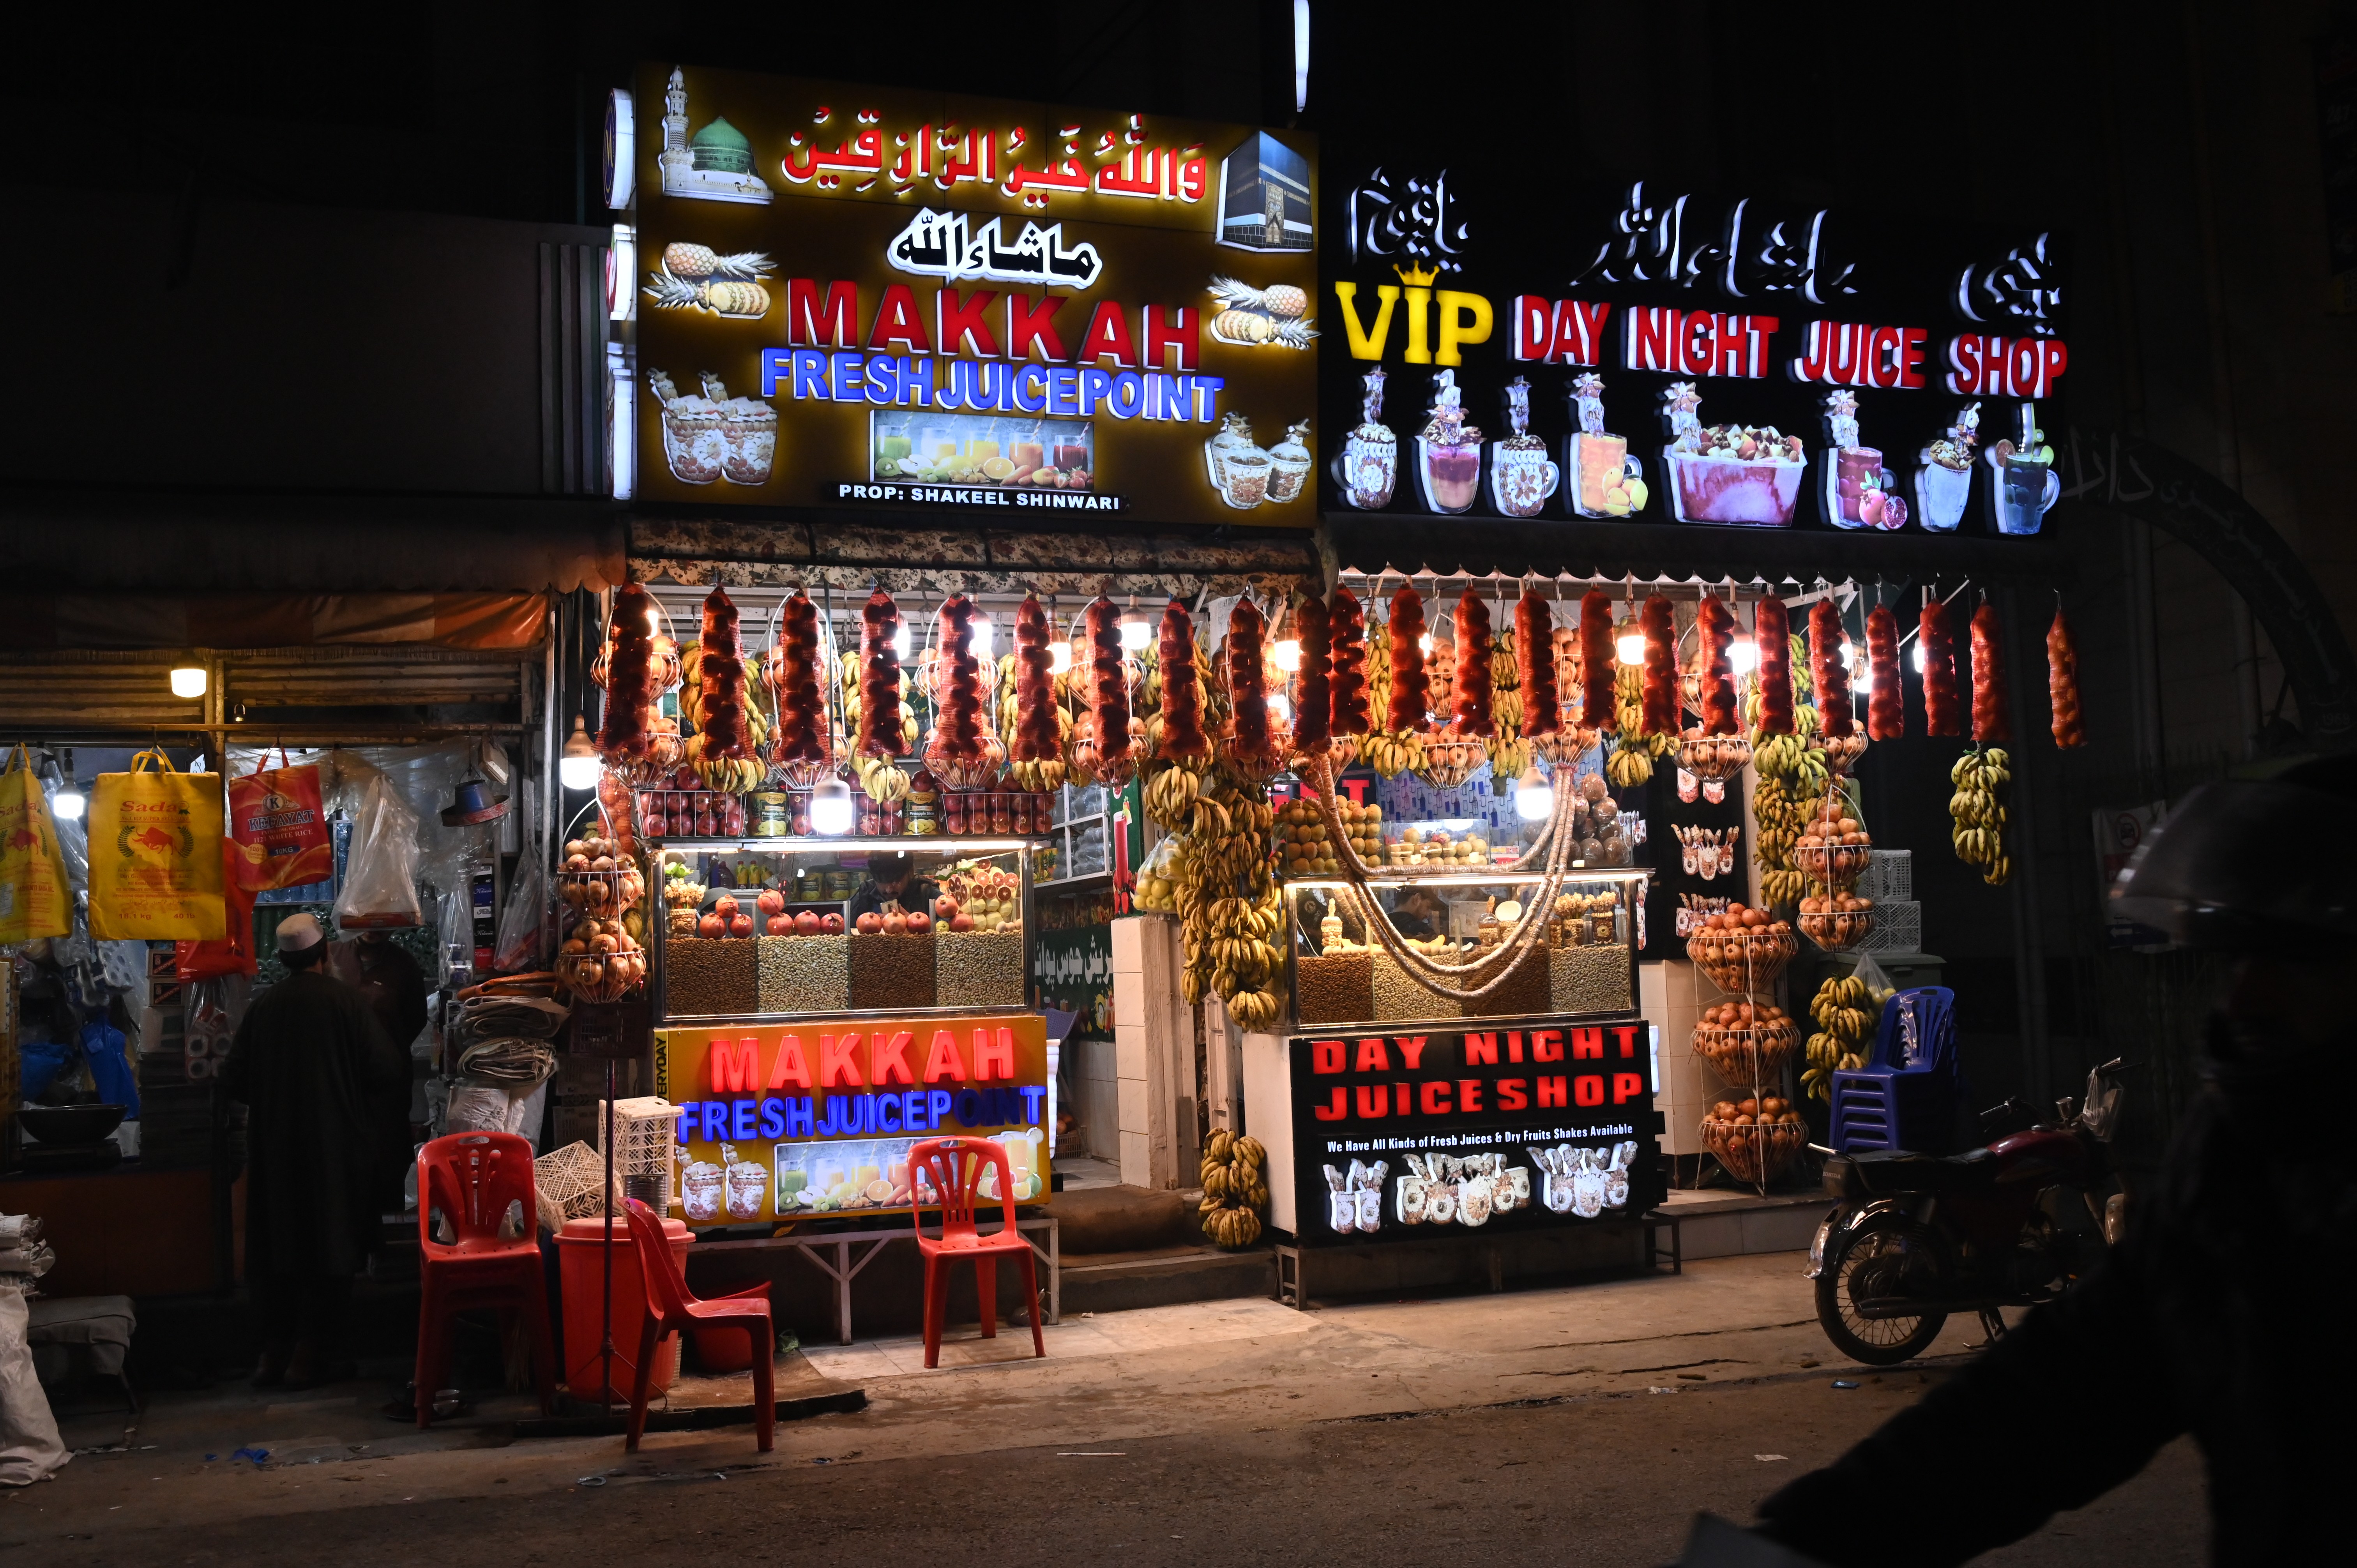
(1512, 344)
(852, 296)
(802, 1120)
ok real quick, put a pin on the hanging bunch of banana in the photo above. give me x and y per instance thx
(1170, 793)
(1509, 753)
(1236, 1188)
(1230, 914)
(1780, 814)
(884, 780)
(1630, 762)
(1977, 810)
(734, 775)
(1845, 1014)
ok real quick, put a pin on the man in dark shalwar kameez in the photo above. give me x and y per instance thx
(323, 1084)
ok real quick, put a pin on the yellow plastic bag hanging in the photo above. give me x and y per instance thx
(155, 855)
(33, 899)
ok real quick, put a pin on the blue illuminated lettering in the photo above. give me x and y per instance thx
(849, 385)
(1129, 395)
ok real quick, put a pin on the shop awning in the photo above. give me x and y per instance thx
(483, 622)
(1485, 546)
(184, 544)
(852, 556)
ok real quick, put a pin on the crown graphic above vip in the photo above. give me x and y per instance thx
(1418, 276)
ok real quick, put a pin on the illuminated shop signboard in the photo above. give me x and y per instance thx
(1409, 1137)
(1650, 353)
(855, 296)
(798, 1122)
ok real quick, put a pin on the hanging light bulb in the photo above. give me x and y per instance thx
(1861, 673)
(189, 680)
(1287, 654)
(900, 640)
(1632, 647)
(830, 808)
(981, 637)
(1136, 630)
(1278, 708)
(1744, 655)
(1424, 645)
(1534, 795)
(1918, 658)
(577, 764)
(1060, 658)
(69, 800)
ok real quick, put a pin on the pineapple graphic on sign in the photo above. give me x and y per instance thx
(1254, 317)
(698, 277)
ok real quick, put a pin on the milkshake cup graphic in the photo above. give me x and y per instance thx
(746, 1183)
(1448, 451)
(1605, 480)
(1943, 485)
(2027, 484)
(1521, 477)
(1859, 491)
(1368, 467)
(699, 1190)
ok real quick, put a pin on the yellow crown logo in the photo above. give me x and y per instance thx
(1418, 276)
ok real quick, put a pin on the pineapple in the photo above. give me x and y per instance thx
(672, 292)
(1294, 334)
(703, 262)
(1279, 299)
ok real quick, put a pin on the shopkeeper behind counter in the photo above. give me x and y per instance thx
(892, 883)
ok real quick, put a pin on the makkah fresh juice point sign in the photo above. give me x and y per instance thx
(856, 297)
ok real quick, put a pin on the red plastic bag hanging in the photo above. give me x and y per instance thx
(1886, 711)
(234, 953)
(1936, 637)
(1771, 635)
(1597, 708)
(277, 829)
(1835, 709)
(1992, 701)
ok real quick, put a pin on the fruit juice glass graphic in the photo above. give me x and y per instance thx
(1027, 454)
(1522, 475)
(1070, 455)
(894, 447)
(699, 1190)
(983, 449)
(1943, 485)
(747, 1188)
(1448, 450)
(2027, 484)
(1605, 480)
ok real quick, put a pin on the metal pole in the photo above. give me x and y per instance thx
(606, 1297)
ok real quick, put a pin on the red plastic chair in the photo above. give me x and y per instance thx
(672, 1308)
(954, 1168)
(473, 1179)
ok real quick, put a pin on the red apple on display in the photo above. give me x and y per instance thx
(712, 925)
(740, 925)
(831, 924)
(806, 924)
(870, 923)
(769, 901)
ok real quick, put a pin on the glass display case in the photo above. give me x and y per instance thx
(792, 929)
(1583, 965)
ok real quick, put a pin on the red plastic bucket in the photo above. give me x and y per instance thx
(580, 1258)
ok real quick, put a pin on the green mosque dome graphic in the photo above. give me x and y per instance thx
(721, 148)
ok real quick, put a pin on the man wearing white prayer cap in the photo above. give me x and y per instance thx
(320, 1078)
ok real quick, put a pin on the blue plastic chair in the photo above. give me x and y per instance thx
(1906, 1095)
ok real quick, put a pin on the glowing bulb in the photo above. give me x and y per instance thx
(1632, 648)
(189, 680)
(577, 764)
(1533, 796)
(1424, 645)
(1134, 633)
(1288, 654)
(830, 807)
(1919, 658)
(1060, 658)
(981, 637)
(900, 641)
(1278, 708)
(67, 801)
(1744, 655)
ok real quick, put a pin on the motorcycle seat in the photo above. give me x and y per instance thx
(1884, 1171)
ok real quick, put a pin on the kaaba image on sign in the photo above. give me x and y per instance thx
(1264, 197)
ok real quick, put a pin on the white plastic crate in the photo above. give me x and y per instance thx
(1889, 875)
(645, 1144)
(1898, 927)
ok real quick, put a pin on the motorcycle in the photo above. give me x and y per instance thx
(1916, 1238)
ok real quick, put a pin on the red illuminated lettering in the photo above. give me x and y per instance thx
(1335, 1110)
(1372, 1057)
(792, 1066)
(1649, 338)
(887, 1060)
(1546, 1046)
(1375, 1102)
(1588, 1089)
(1587, 1043)
(734, 1065)
(1533, 327)
(1626, 1087)
(1411, 1050)
(1435, 1099)
(829, 325)
(1184, 332)
(994, 1054)
(1627, 1034)
(965, 325)
(1481, 1050)
(1030, 325)
(1469, 1094)
(1325, 1056)
(1697, 336)
(1108, 336)
(898, 320)
(1510, 1094)
(838, 1061)
(1551, 1091)
(942, 1063)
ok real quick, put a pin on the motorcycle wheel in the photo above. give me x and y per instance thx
(1888, 1255)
